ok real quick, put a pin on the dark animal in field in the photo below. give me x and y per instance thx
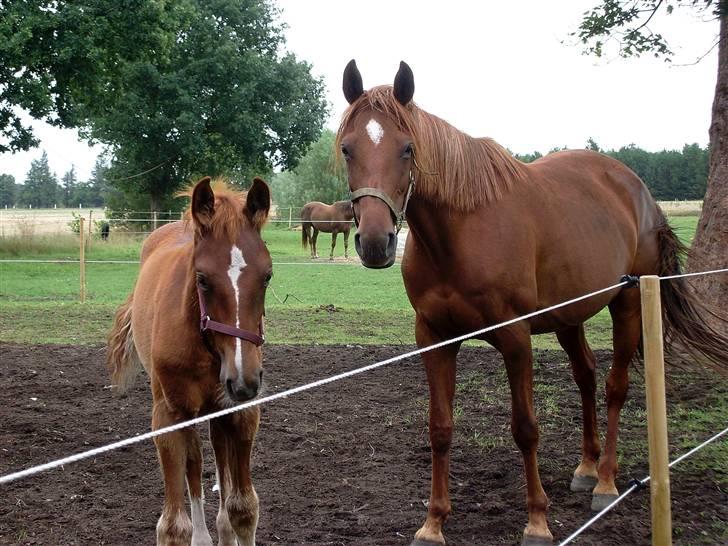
(492, 239)
(105, 231)
(334, 219)
(213, 265)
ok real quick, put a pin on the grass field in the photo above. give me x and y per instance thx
(309, 302)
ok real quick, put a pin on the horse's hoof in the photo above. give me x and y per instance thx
(601, 500)
(420, 542)
(583, 483)
(530, 540)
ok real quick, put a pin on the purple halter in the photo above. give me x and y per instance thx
(206, 323)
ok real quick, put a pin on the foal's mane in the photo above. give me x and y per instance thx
(452, 168)
(229, 217)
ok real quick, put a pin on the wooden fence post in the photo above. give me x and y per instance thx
(656, 410)
(82, 259)
(90, 227)
(154, 220)
(290, 213)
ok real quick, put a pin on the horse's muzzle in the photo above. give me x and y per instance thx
(241, 390)
(376, 251)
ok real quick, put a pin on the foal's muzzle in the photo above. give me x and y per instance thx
(241, 391)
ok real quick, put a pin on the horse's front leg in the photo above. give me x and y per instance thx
(514, 343)
(174, 526)
(200, 534)
(440, 366)
(333, 244)
(232, 438)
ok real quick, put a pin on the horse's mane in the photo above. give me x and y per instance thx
(229, 217)
(452, 168)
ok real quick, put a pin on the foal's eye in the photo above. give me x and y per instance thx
(345, 152)
(407, 151)
(266, 281)
(202, 281)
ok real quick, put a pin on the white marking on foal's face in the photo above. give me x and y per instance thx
(375, 131)
(237, 263)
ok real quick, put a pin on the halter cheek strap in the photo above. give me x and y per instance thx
(398, 215)
(206, 323)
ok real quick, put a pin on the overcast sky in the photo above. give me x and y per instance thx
(495, 69)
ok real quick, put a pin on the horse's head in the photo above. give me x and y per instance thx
(378, 149)
(232, 268)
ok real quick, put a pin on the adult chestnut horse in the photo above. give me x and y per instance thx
(492, 239)
(213, 265)
(334, 219)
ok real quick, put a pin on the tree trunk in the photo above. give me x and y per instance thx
(710, 247)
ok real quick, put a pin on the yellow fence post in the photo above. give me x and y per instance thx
(82, 259)
(656, 410)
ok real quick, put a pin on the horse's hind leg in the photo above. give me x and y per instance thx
(200, 534)
(346, 243)
(333, 244)
(314, 237)
(583, 366)
(626, 330)
(232, 438)
(174, 526)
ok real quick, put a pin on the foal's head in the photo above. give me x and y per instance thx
(376, 141)
(232, 268)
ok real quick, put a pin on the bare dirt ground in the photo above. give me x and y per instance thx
(346, 464)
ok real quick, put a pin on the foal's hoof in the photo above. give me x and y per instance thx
(583, 483)
(529, 540)
(420, 542)
(601, 500)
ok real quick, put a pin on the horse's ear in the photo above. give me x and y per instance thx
(404, 84)
(257, 202)
(203, 204)
(353, 86)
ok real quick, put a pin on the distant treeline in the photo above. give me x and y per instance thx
(669, 174)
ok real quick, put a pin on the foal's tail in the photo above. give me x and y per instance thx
(682, 310)
(122, 359)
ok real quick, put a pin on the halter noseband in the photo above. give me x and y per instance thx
(206, 323)
(398, 215)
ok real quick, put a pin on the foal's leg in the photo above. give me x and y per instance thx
(219, 438)
(583, 366)
(346, 243)
(626, 330)
(333, 244)
(200, 534)
(174, 526)
(314, 252)
(235, 434)
(440, 366)
(514, 343)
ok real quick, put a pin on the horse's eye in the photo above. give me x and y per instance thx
(266, 282)
(202, 281)
(345, 152)
(407, 152)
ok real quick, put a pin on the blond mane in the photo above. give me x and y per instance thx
(451, 167)
(229, 217)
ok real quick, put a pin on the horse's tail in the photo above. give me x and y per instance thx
(683, 312)
(305, 234)
(122, 359)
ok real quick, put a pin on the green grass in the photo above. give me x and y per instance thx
(324, 303)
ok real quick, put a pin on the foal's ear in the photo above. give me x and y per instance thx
(257, 203)
(353, 86)
(203, 204)
(404, 84)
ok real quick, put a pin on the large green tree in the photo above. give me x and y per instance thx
(40, 189)
(8, 190)
(174, 89)
(628, 24)
(316, 177)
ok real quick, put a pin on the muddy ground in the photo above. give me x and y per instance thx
(344, 464)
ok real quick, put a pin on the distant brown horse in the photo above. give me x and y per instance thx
(334, 219)
(194, 322)
(491, 239)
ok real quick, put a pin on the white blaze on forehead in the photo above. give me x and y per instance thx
(237, 263)
(375, 131)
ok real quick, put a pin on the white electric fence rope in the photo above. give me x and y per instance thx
(641, 483)
(154, 433)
